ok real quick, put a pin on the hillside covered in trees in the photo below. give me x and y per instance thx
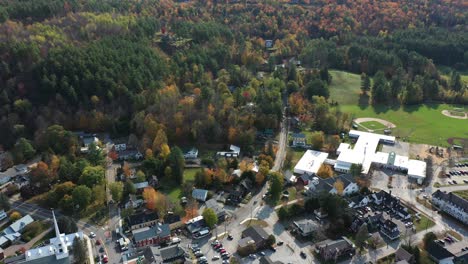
(191, 68)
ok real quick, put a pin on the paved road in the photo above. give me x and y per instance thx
(253, 208)
(38, 212)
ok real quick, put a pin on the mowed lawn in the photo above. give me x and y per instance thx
(419, 123)
(345, 87)
(373, 125)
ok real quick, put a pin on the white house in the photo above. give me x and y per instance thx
(452, 204)
(120, 144)
(298, 140)
(318, 185)
(234, 152)
(191, 154)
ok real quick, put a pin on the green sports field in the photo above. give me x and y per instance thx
(373, 125)
(419, 123)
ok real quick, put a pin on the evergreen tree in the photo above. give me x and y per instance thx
(365, 83)
(177, 163)
(455, 81)
(80, 251)
(380, 90)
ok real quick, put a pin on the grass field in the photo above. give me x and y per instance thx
(189, 174)
(419, 123)
(374, 125)
(423, 223)
(463, 194)
(345, 87)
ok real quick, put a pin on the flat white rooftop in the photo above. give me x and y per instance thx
(310, 162)
(417, 168)
(363, 151)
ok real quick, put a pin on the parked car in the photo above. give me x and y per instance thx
(92, 235)
(252, 256)
(454, 182)
(303, 255)
(262, 254)
(280, 243)
(218, 245)
(230, 237)
(222, 251)
(105, 259)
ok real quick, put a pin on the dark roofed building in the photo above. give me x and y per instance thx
(220, 212)
(164, 255)
(258, 234)
(402, 255)
(451, 204)
(142, 219)
(267, 260)
(336, 249)
(438, 253)
(389, 229)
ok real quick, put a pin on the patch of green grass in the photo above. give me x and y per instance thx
(175, 194)
(345, 87)
(462, 194)
(253, 222)
(189, 174)
(423, 223)
(373, 125)
(418, 123)
(297, 155)
(390, 259)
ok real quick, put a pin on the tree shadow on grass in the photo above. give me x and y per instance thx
(363, 101)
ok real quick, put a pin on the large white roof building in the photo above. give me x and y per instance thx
(310, 162)
(364, 152)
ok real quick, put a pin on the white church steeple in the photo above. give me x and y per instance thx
(60, 245)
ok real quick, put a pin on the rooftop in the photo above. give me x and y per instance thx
(310, 162)
(141, 218)
(452, 198)
(256, 233)
(159, 230)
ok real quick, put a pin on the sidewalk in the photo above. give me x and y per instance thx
(9, 251)
(288, 203)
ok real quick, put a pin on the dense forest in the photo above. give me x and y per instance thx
(216, 71)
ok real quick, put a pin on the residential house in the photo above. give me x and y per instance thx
(133, 202)
(3, 215)
(439, 254)
(234, 152)
(191, 154)
(298, 140)
(87, 140)
(142, 219)
(335, 250)
(173, 221)
(257, 234)
(12, 233)
(169, 254)
(219, 210)
(195, 225)
(139, 186)
(319, 185)
(358, 201)
(401, 255)
(200, 194)
(151, 235)
(389, 229)
(451, 204)
(240, 191)
(320, 214)
(129, 154)
(120, 144)
(305, 227)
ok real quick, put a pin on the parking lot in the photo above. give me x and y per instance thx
(457, 174)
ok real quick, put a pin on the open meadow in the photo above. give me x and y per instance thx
(418, 123)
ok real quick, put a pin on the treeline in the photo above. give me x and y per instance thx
(192, 69)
